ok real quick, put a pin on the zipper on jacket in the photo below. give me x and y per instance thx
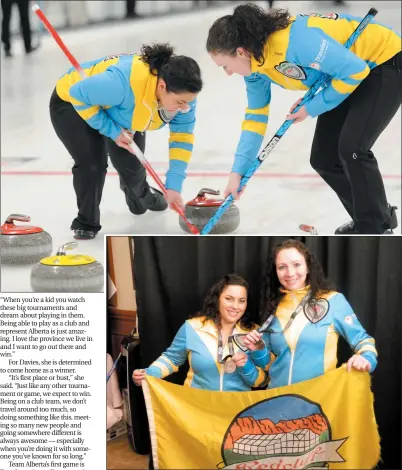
(150, 119)
(292, 355)
(292, 347)
(221, 373)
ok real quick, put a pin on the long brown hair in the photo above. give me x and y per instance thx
(271, 288)
(210, 307)
(248, 27)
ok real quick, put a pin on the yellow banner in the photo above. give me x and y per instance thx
(324, 423)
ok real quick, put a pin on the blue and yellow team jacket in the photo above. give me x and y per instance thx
(306, 349)
(120, 93)
(197, 341)
(297, 56)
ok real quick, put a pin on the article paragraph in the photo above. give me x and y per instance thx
(52, 388)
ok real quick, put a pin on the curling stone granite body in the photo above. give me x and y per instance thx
(67, 273)
(201, 209)
(23, 244)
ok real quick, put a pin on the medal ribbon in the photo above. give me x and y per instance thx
(265, 326)
(222, 360)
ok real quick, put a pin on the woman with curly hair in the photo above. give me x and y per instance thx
(124, 96)
(363, 95)
(305, 318)
(206, 340)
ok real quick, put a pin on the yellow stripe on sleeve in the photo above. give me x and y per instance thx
(89, 113)
(181, 137)
(342, 87)
(253, 126)
(179, 154)
(263, 111)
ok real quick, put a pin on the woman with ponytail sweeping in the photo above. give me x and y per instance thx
(353, 110)
(125, 94)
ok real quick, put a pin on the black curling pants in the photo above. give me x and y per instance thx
(341, 150)
(89, 150)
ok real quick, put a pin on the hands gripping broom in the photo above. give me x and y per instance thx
(323, 81)
(135, 150)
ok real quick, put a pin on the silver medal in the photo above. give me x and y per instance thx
(230, 366)
(316, 310)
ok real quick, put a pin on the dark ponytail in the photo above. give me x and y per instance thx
(180, 73)
(157, 55)
(248, 27)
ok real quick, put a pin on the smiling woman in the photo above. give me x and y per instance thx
(362, 96)
(205, 340)
(307, 318)
(124, 96)
(178, 77)
(291, 268)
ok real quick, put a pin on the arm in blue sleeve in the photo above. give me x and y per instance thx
(181, 143)
(172, 358)
(252, 375)
(262, 357)
(104, 89)
(348, 326)
(346, 68)
(255, 122)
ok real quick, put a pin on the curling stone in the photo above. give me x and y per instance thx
(23, 244)
(200, 209)
(67, 273)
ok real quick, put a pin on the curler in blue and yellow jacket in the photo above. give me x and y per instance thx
(120, 93)
(297, 56)
(308, 349)
(197, 341)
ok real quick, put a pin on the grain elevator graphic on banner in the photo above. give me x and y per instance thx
(286, 430)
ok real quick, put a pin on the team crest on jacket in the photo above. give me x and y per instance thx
(288, 431)
(291, 70)
(316, 309)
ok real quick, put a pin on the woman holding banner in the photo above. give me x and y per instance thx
(353, 110)
(305, 318)
(206, 341)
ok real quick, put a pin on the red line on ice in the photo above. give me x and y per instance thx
(211, 174)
